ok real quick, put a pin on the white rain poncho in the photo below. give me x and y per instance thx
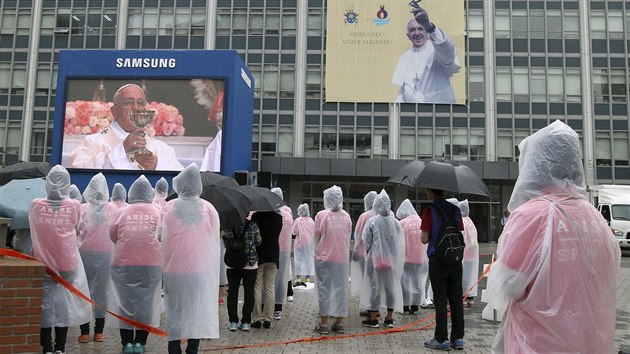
(190, 260)
(557, 265)
(95, 246)
(304, 245)
(53, 223)
(119, 196)
(333, 228)
(416, 269)
(284, 274)
(470, 263)
(357, 266)
(161, 192)
(384, 258)
(75, 193)
(136, 267)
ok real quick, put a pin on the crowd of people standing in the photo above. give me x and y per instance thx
(126, 255)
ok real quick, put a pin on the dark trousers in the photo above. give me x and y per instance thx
(174, 346)
(133, 336)
(234, 281)
(99, 325)
(46, 341)
(446, 281)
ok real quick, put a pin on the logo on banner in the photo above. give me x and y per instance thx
(382, 17)
(351, 17)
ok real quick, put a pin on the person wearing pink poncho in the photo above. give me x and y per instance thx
(283, 288)
(53, 223)
(416, 269)
(557, 266)
(136, 266)
(357, 266)
(119, 196)
(304, 246)
(384, 262)
(190, 259)
(95, 247)
(333, 228)
(161, 192)
(470, 263)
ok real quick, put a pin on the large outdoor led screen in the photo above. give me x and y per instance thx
(107, 123)
(152, 112)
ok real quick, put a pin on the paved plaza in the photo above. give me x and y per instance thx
(294, 332)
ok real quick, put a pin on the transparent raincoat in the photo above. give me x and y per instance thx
(416, 269)
(304, 245)
(190, 260)
(95, 246)
(333, 228)
(557, 265)
(284, 274)
(136, 268)
(53, 223)
(357, 266)
(384, 258)
(119, 196)
(75, 193)
(470, 263)
(161, 192)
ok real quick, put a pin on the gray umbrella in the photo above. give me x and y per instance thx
(440, 174)
(24, 170)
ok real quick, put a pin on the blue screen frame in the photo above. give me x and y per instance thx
(226, 65)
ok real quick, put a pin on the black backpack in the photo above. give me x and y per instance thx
(235, 252)
(449, 246)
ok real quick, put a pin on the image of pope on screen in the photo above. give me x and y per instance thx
(424, 71)
(172, 130)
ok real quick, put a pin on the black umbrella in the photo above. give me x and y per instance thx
(440, 174)
(24, 170)
(227, 198)
(262, 198)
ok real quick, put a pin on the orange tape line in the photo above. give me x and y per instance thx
(61, 280)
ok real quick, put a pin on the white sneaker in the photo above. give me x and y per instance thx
(290, 298)
(277, 315)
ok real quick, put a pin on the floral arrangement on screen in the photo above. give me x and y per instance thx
(89, 117)
(166, 122)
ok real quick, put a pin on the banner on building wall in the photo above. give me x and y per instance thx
(379, 51)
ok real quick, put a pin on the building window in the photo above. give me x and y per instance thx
(504, 84)
(475, 23)
(476, 87)
(519, 24)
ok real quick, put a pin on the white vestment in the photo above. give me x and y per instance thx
(212, 158)
(424, 74)
(105, 150)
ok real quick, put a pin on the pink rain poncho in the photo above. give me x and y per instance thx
(357, 266)
(53, 222)
(304, 245)
(284, 274)
(416, 269)
(136, 266)
(470, 263)
(119, 196)
(95, 246)
(161, 192)
(384, 258)
(190, 260)
(557, 265)
(333, 228)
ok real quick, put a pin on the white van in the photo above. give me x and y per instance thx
(613, 201)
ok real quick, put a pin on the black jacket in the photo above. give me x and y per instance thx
(270, 225)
